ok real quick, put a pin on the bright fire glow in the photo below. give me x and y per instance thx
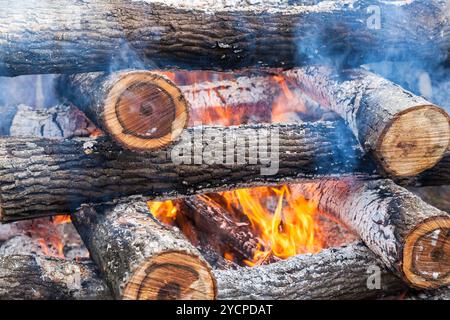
(285, 224)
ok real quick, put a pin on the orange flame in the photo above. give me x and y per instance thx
(286, 229)
(165, 211)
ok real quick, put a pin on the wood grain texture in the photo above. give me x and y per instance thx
(405, 133)
(410, 236)
(70, 36)
(139, 109)
(140, 258)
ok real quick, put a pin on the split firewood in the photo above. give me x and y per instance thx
(140, 110)
(410, 236)
(26, 273)
(61, 121)
(349, 272)
(406, 133)
(140, 258)
(211, 218)
(40, 177)
(72, 36)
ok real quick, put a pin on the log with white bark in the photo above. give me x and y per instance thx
(26, 273)
(70, 36)
(349, 272)
(61, 121)
(140, 258)
(41, 177)
(406, 133)
(410, 236)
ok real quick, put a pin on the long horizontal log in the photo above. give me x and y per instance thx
(70, 36)
(350, 272)
(27, 274)
(41, 177)
(406, 133)
(410, 236)
(141, 259)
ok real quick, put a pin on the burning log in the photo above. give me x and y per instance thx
(25, 273)
(411, 237)
(138, 109)
(73, 36)
(210, 218)
(141, 258)
(40, 177)
(337, 273)
(405, 132)
(61, 121)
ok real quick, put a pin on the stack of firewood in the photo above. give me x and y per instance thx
(108, 147)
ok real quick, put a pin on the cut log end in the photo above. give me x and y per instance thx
(145, 111)
(185, 277)
(415, 141)
(426, 254)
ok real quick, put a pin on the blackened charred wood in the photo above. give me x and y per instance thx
(99, 35)
(211, 218)
(41, 177)
(349, 272)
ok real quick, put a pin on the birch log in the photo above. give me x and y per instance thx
(406, 133)
(70, 36)
(140, 258)
(411, 237)
(41, 177)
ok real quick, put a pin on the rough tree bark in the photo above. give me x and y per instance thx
(41, 177)
(140, 110)
(410, 236)
(139, 257)
(337, 273)
(405, 132)
(70, 36)
(25, 273)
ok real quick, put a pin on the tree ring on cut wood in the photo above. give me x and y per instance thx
(171, 276)
(415, 141)
(145, 111)
(426, 254)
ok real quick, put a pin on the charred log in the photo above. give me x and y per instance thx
(140, 258)
(41, 177)
(406, 133)
(411, 237)
(25, 273)
(100, 35)
(338, 273)
(211, 218)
